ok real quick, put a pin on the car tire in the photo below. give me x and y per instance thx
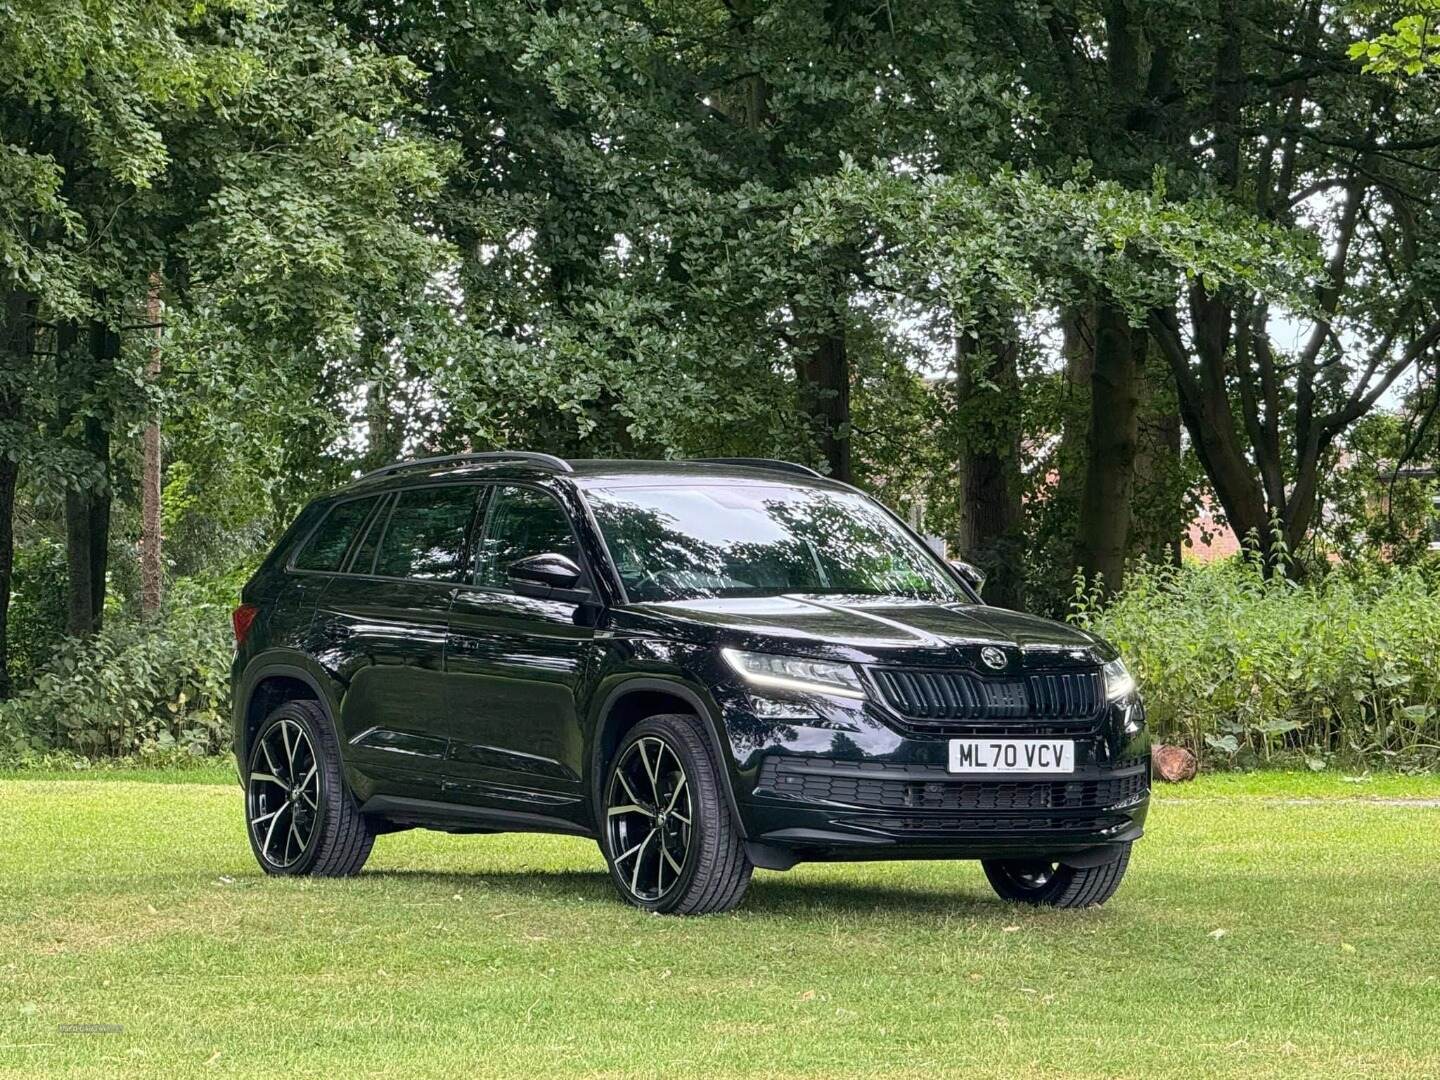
(1049, 884)
(666, 829)
(294, 782)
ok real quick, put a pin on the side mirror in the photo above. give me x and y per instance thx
(971, 574)
(548, 576)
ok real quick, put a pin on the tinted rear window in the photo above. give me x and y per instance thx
(325, 550)
(426, 535)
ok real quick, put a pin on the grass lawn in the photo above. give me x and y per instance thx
(1270, 926)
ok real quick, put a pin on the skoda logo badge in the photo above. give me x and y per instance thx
(993, 657)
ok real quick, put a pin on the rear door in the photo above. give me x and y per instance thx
(515, 665)
(384, 626)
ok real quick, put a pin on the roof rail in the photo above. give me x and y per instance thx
(497, 456)
(763, 463)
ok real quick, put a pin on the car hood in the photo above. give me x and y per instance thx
(881, 629)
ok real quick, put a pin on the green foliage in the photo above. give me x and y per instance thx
(1376, 511)
(1025, 240)
(1247, 668)
(134, 688)
(37, 607)
(85, 89)
(257, 158)
(1409, 46)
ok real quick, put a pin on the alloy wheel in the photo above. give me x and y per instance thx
(1033, 875)
(649, 818)
(283, 796)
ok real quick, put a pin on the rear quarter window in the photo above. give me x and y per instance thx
(325, 549)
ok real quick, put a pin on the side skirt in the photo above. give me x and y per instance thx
(453, 817)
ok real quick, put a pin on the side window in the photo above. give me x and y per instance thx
(522, 522)
(425, 538)
(326, 548)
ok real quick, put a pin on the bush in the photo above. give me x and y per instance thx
(1248, 668)
(134, 688)
(37, 608)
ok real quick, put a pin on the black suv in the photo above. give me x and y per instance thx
(706, 666)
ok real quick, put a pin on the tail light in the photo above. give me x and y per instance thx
(242, 618)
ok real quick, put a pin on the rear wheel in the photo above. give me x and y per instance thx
(1050, 884)
(667, 833)
(300, 816)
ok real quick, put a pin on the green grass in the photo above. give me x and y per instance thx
(138, 904)
(213, 770)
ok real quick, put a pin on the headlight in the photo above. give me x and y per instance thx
(795, 673)
(1119, 683)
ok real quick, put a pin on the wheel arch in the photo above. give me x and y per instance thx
(631, 701)
(269, 683)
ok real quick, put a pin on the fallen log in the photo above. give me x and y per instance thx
(1173, 763)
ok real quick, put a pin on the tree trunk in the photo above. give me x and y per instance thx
(87, 508)
(1105, 513)
(987, 460)
(1158, 517)
(1077, 327)
(97, 438)
(1167, 438)
(824, 375)
(151, 566)
(80, 618)
(383, 438)
(17, 337)
(1205, 408)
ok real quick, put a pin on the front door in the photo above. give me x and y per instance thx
(384, 624)
(514, 667)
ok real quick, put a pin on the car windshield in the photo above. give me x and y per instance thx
(714, 540)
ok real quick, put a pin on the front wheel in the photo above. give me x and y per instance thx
(667, 833)
(1049, 884)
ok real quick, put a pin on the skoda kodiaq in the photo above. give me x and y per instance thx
(705, 666)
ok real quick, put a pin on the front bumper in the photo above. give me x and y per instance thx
(852, 784)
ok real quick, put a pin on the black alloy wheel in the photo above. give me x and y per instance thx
(284, 794)
(649, 816)
(667, 832)
(300, 817)
(1053, 884)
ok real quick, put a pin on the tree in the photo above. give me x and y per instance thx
(1025, 243)
(254, 157)
(1260, 107)
(78, 143)
(988, 427)
(640, 278)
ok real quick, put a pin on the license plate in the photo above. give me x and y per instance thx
(1012, 756)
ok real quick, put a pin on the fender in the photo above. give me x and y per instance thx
(287, 663)
(708, 724)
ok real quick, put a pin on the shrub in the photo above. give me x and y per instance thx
(134, 688)
(1248, 668)
(37, 608)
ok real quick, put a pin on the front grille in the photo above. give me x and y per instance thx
(959, 702)
(891, 786)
